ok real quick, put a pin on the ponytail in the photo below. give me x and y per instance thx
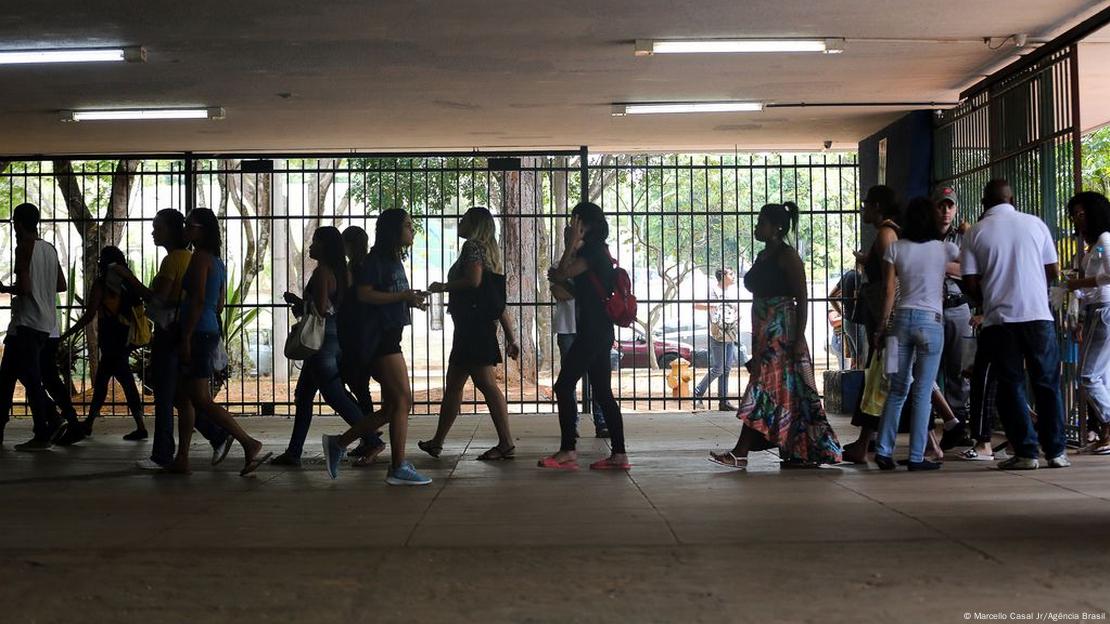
(792, 213)
(783, 216)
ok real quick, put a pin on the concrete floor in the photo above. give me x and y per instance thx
(84, 537)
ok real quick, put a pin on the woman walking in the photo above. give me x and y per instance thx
(914, 268)
(163, 301)
(474, 348)
(1090, 213)
(324, 294)
(110, 301)
(587, 264)
(356, 338)
(384, 286)
(781, 406)
(201, 305)
(882, 210)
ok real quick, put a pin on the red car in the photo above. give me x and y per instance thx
(633, 349)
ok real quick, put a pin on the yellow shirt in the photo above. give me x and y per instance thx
(172, 271)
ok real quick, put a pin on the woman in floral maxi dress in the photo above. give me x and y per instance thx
(781, 407)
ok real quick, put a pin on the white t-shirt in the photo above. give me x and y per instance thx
(35, 309)
(1096, 264)
(920, 270)
(562, 319)
(1009, 250)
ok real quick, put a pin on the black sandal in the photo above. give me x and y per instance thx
(430, 449)
(497, 453)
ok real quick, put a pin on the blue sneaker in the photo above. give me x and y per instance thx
(333, 454)
(405, 474)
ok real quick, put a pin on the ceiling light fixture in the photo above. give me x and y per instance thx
(130, 54)
(649, 47)
(620, 110)
(214, 112)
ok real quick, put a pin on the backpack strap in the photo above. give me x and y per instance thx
(596, 281)
(598, 288)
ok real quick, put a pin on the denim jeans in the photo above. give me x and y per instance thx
(57, 388)
(321, 373)
(836, 343)
(164, 371)
(722, 358)
(958, 338)
(1094, 363)
(564, 341)
(920, 335)
(589, 358)
(22, 352)
(1013, 347)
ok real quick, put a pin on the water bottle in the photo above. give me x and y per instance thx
(435, 312)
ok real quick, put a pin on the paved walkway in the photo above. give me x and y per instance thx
(84, 537)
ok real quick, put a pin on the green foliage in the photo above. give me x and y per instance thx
(1096, 161)
(421, 186)
(236, 318)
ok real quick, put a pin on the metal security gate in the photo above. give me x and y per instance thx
(674, 220)
(1023, 126)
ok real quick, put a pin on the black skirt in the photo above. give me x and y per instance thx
(475, 343)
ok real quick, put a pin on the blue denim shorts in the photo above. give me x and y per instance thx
(203, 348)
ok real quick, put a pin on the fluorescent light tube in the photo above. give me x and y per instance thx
(686, 107)
(144, 113)
(647, 47)
(77, 55)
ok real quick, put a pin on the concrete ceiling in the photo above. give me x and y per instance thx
(355, 74)
(1094, 80)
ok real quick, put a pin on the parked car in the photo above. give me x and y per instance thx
(695, 332)
(633, 348)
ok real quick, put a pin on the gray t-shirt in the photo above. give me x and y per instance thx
(920, 268)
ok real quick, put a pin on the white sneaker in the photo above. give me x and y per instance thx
(1060, 461)
(220, 451)
(149, 464)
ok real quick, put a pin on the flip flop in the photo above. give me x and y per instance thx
(608, 464)
(253, 464)
(554, 464)
(736, 465)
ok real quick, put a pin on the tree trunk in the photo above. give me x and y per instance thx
(251, 200)
(315, 203)
(520, 232)
(95, 234)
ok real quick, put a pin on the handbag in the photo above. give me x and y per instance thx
(876, 386)
(484, 303)
(306, 336)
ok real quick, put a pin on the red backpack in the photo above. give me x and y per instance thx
(621, 304)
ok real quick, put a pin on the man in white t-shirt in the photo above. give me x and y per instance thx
(724, 332)
(1008, 261)
(34, 317)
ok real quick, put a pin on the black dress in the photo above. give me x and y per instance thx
(474, 343)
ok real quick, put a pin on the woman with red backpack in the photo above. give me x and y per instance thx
(586, 263)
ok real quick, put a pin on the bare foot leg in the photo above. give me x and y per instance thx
(565, 456)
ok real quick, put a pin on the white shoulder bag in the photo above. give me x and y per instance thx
(306, 336)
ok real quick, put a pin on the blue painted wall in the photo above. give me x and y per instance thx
(909, 164)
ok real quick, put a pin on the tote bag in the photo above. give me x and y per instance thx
(306, 336)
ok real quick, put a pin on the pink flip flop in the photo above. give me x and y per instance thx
(607, 464)
(554, 464)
